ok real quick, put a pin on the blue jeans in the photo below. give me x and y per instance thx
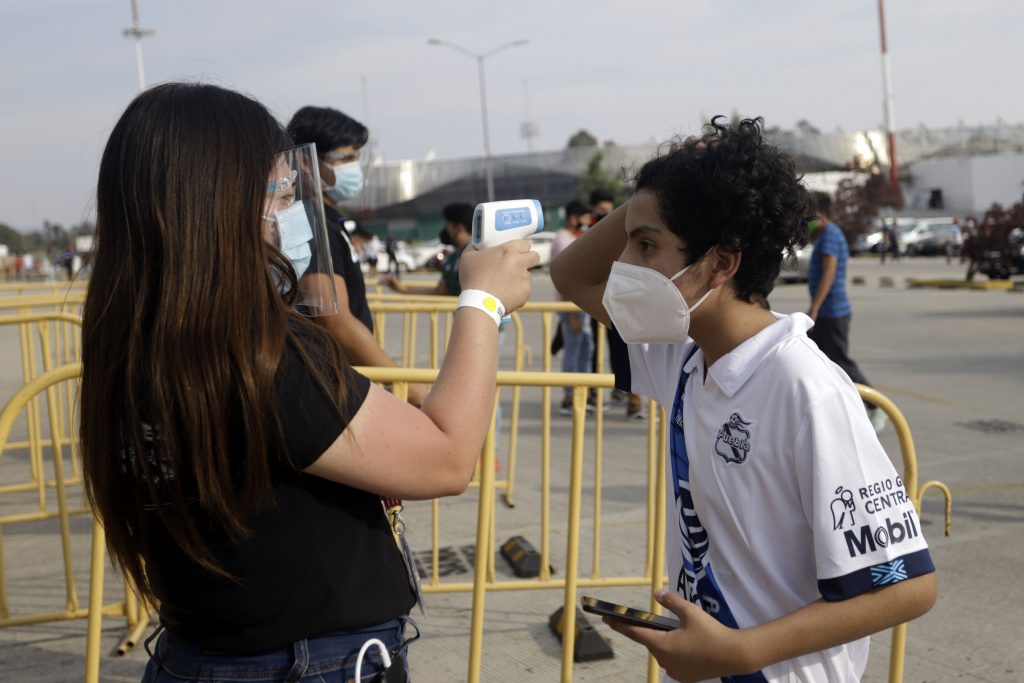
(578, 346)
(326, 659)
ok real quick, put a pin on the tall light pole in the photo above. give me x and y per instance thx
(138, 33)
(890, 114)
(528, 129)
(480, 57)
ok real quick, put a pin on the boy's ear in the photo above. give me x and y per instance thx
(724, 264)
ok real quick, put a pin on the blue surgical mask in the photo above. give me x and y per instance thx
(348, 181)
(295, 231)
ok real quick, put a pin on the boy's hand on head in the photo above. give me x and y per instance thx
(699, 649)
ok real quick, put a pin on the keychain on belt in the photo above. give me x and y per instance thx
(393, 509)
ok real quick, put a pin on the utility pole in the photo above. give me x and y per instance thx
(890, 115)
(483, 98)
(138, 33)
(528, 129)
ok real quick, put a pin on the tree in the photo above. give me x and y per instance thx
(54, 235)
(806, 128)
(14, 240)
(857, 202)
(597, 178)
(582, 138)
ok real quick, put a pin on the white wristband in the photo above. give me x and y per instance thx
(488, 303)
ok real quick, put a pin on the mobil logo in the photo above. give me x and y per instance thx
(869, 539)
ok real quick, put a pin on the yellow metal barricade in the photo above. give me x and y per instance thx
(897, 652)
(59, 343)
(411, 306)
(69, 300)
(20, 288)
(484, 578)
(484, 575)
(137, 615)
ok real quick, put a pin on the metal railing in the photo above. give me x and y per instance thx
(137, 616)
(484, 573)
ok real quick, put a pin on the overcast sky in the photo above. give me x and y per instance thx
(626, 71)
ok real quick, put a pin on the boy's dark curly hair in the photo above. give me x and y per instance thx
(730, 188)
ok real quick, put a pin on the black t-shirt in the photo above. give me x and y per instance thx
(321, 560)
(346, 266)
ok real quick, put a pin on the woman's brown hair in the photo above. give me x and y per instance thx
(185, 326)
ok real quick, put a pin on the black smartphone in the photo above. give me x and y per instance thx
(630, 615)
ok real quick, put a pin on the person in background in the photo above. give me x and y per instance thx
(602, 203)
(765, 434)
(574, 328)
(339, 139)
(391, 247)
(890, 243)
(830, 307)
(458, 222)
(371, 253)
(954, 243)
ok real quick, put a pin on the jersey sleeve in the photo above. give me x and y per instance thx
(653, 370)
(866, 532)
(310, 421)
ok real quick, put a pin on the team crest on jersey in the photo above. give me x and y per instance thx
(842, 509)
(733, 442)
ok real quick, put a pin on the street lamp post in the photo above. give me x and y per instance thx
(483, 98)
(138, 33)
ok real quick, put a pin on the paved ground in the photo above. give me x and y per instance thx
(952, 360)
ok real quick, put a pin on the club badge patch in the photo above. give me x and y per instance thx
(843, 508)
(733, 442)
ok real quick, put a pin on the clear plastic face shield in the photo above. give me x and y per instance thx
(293, 221)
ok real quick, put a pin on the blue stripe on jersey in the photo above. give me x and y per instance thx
(696, 581)
(884, 574)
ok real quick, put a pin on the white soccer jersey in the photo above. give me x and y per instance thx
(782, 493)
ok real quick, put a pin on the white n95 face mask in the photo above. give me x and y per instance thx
(647, 307)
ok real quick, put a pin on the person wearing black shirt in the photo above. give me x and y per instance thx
(237, 461)
(339, 139)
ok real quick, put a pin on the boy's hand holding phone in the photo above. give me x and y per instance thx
(701, 648)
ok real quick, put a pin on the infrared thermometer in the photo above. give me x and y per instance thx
(495, 223)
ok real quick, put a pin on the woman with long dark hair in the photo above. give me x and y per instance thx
(236, 460)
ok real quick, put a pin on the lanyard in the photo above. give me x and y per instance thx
(393, 509)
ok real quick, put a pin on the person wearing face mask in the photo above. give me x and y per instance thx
(339, 140)
(830, 306)
(575, 335)
(237, 460)
(772, 565)
(457, 232)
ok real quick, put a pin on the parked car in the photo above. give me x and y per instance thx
(873, 240)
(867, 242)
(796, 271)
(430, 254)
(542, 242)
(911, 236)
(935, 239)
(406, 262)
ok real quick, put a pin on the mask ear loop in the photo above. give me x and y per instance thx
(700, 300)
